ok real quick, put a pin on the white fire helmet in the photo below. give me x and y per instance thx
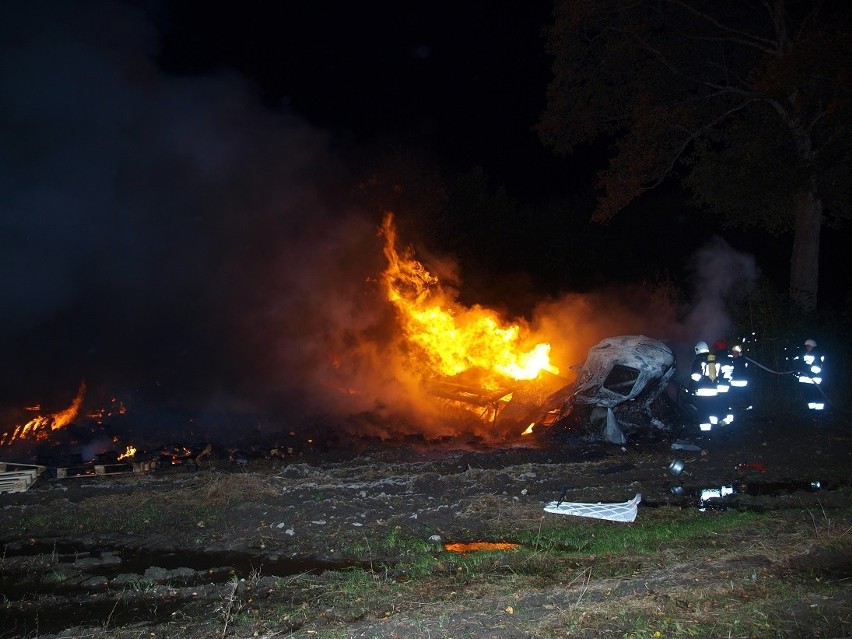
(737, 348)
(701, 347)
(810, 342)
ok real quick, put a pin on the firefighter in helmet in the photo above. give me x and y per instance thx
(724, 370)
(810, 363)
(702, 386)
(739, 381)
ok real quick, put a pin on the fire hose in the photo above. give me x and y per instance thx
(769, 370)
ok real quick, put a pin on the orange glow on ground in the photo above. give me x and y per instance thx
(480, 545)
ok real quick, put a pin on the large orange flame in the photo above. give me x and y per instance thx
(450, 337)
(39, 427)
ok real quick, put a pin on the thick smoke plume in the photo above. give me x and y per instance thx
(161, 232)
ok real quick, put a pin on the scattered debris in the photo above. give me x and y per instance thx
(713, 497)
(752, 466)
(619, 468)
(680, 444)
(90, 468)
(207, 452)
(676, 467)
(238, 457)
(625, 511)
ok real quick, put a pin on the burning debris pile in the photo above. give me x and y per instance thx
(81, 440)
(429, 367)
(469, 358)
(40, 426)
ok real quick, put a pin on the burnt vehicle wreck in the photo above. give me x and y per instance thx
(622, 391)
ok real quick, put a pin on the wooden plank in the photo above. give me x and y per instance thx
(113, 469)
(11, 466)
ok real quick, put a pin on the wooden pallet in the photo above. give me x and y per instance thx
(16, 478)
(106, 469)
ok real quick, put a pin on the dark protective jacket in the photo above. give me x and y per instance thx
(703, 379)
(739, 372)
(810, 366)
(724, 370)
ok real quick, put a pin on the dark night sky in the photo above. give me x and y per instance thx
(464, 80)
(172, 215)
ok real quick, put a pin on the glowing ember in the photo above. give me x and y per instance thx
(116, 407)
(452, 338)
(39, 427)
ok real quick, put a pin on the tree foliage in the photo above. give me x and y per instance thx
(748, 102)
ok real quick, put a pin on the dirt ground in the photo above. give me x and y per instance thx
(162, 553)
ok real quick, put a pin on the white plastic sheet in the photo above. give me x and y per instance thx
(625, 511)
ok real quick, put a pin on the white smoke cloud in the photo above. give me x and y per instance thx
(719, 274)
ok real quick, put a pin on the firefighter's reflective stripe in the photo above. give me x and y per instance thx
(739, 383)
(816, 405)
(804, 379)
(706, 392)
(695, 377)
(722, 388)
(812, 363)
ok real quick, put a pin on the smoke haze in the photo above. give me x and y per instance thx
(153, 226)
(170, 235)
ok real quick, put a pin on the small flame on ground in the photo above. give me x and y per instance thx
(128, 453)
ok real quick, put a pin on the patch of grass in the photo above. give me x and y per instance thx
(55, 576)
(693, 575)
(141, 585)
(769, 610)
(392, 540)
(37, 519)
(144, 516)
(420, 565)
(654, 532)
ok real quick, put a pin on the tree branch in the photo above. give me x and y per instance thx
(745, 38)
(694, 135)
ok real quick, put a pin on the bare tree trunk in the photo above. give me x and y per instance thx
(804, 264)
